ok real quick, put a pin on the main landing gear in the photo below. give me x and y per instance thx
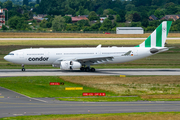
(87, 69)
(23, 69)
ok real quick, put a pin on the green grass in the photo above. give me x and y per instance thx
(69, 42)
(39, 87)
(114, 99)
(106, 116)
(103, 99)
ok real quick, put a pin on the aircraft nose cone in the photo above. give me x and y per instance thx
(6, 57)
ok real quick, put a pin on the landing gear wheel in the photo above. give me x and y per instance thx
(87, 69)
(93, 69)
(23, 69)
(82, 69)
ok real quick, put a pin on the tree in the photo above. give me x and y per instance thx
(26, 16)
(111, 12)
(110, 17)
(145, 22)
(82, 23)
(67, 19)
(12, 13)
(144, 15)
(58, 23)
(17, 23)
(25, 2)
(37, 1)
(159, 13)
(96, 26)
(69, 11)
(80, 11)
(171, 8)
(130, 7)
(1, 4)
(93, 16)
(106, 12)
(48, 24)
(4, 27)
(122, 14)
(129, 17)
(100, 11)
(118, 18)
(8, 5)
(107, 24)
(43, 23)
(136, 17)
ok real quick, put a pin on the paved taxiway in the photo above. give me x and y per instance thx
(14, 104)
(58, 72)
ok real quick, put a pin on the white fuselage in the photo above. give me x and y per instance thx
(47, 56)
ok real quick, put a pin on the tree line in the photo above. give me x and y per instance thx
(134, 13)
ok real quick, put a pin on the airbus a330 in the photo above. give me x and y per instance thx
(83, 58)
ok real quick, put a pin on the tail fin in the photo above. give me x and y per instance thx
(158, 37)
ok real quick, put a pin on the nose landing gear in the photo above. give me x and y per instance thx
(23, 69)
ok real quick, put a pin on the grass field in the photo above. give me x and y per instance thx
(76, 43)
(66, 35)
(75, 35)
(147, 87)
(142, 87)
(39, 87)
(110, 116)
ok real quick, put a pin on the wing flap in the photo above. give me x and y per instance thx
(91, 59)
(95, 59)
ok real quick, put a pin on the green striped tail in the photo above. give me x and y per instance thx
(158, 37)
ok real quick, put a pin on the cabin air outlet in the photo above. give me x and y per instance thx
(38, 59)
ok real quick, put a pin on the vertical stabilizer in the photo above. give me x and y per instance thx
(158, 37)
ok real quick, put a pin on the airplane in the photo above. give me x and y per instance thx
(83, 58)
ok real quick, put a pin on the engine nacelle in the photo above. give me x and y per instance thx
(70, 65)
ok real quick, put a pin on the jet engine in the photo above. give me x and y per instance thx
(70, 65)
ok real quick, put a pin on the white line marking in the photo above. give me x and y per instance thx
(26, 96)
(18, 114)
(38, 99)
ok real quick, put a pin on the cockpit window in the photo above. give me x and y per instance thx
(11, 54)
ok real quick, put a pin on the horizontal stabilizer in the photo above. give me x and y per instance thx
(156, 50)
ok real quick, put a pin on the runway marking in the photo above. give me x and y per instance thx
(18, 114)
(38, 99)
(1, 96)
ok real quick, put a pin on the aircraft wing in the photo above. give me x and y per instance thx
(91, 59)
(95, 59)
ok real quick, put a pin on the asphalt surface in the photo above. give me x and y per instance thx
(14, 104)
(81, 38)
(58, 72)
